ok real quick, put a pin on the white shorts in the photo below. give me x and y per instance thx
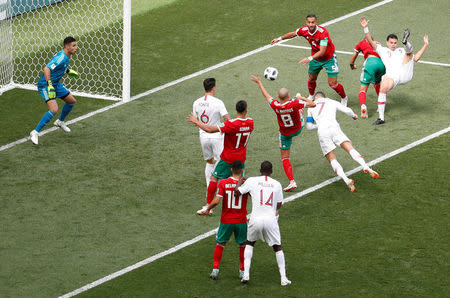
(329, 137)
(403, 75)
(211, 147)
(265, 229)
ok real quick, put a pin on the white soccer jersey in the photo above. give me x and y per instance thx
(266, 194)
(393, 60)
(324, 113)
(208, 110)
(328, 129)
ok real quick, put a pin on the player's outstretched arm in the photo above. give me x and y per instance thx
(419, 54)
(365, 24)
(257, 80)
(207, 128)
(347, 111)
(288, 35)
(210, 206)
(353, 59)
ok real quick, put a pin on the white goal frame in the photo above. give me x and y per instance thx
(8, 44)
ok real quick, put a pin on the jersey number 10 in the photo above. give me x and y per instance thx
(232, 202)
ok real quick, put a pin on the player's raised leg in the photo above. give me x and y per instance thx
(348, 147)
(337, 168)
(332, 81)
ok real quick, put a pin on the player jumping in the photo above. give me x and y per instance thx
(290, 122)
(51, 88)
(233, 219)
(322, 55)
(372, 72)
(399, 63)
(330, 133)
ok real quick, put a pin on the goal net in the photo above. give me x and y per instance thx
(32, 31)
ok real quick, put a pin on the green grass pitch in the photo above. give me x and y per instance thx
(126, 183)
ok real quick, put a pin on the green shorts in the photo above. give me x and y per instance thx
(223, 170)
(225, 231)
(286, 141)
(331, 66)
(372, 71)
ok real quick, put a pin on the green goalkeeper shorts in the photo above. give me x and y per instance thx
(226, 230)
(372, 71)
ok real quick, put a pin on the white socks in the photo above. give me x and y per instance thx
(358, 158)
(281, 263)
(248, 254)
(209, 168)
(337, 168)
(381, 105)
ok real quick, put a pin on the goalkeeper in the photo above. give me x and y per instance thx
(51, 88)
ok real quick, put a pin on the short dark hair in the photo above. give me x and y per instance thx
(311, 15)
(241, 106)
(266, 168)
(209, 84)
(237, 166)
(392, 35)
(69, 40)
(319, 93)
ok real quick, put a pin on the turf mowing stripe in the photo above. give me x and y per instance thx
(351, 53)
(162, 87)
(212, 232)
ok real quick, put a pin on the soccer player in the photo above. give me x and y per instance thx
(267, 198)
(322, 55)
(330, 133)
(289, 117)
(233, 219)
(372, 71)
(50, 88)
(237, 133)
(399, 63)
(208, 110)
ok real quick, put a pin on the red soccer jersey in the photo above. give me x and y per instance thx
(237, 132)
(288, 115)
(319, 37)
(234, 210)
(364, 47)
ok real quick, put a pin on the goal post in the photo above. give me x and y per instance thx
(33, 31)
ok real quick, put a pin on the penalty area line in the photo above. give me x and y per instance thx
(212, 232)
(351, 53)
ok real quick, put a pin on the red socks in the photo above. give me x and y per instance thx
(288, 168)
(339, 89)
(311, 86)
(377, 88)
(212, 187)
(218, 252)
(241, 257)
(362, 97)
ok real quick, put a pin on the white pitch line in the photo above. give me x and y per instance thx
(193, 75)
(351, 53)
(212, 232)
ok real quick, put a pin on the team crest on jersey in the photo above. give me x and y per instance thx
(53, 66)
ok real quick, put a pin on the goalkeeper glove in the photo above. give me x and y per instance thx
(72, 73)
(51, 90)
